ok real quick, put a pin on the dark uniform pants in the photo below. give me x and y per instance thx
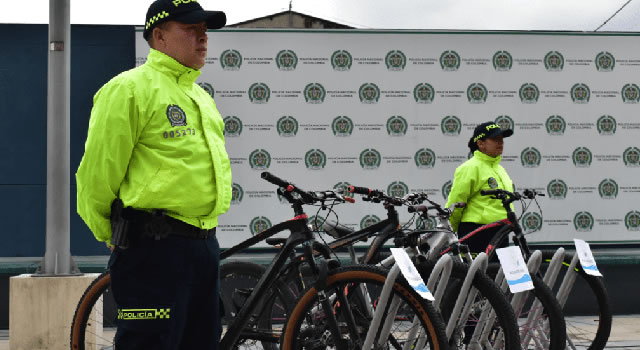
(480, 240)
(167, 294)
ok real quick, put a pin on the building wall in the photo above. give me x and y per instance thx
(290, 20)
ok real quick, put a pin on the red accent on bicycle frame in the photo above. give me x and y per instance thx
(489, 248)
(290, 188)
(479, 229)
(300, 217)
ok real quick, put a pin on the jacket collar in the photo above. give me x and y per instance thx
(162, 62)
(487, 159)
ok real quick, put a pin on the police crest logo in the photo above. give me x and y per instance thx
(369, 93)
(530, 157)
(236, 193)
(259, 224)
(397, 126)
(446, 189)
(632, 220)
(368, 220)
(605, 62)
(176, 116)
(341, 60)
(425, 158)
(395, 60)
(260, 159)
(492, 182)
(630, 93)
(342, 126)
(208, 88)
(286, 60)
(429, 223)
(557, 189)
(342, 186)
(424, 93)
(287, 126)
(315, 159)
(316, 222)
(606, 125)
(555, 125)
(284, 200)
(397, 189)
(477, 93)
(259, 93)
(608, 189)
(232, 126)
(580, 93)
(583, 221)
(450, 61)
(631, 157)
(314, 93)
(450, 125)
(553, 61)
(529, 93)
(531, 222)
(505, 122)
(502, 61)
(582, 157)
(370, 159)
(231, 60)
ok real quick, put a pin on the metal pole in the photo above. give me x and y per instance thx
(57, 259)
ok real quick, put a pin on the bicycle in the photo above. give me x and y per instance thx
(577, 335)
(331, 320)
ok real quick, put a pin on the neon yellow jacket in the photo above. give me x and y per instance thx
(156, 141)
(481, 172)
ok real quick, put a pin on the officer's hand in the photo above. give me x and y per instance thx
(110, 246)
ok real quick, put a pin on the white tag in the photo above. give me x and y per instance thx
(586, 258)
(410, 273)
(515, 269)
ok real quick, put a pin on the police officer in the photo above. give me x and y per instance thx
(153, 180)
(481, 172)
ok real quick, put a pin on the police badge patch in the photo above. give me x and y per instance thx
(176, 116)
(492, 182)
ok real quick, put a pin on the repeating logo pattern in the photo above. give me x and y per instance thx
(368, 220)
(286, 60)
(314, 93)
(369, 93)
(632, 220)
(259, 159)
(232, 126)
(315, 159)
(208, 88)
(554, 61)
(583, 221)
(531, 222)
(397, 189)
(397, 126)
(582, 157)
(236, 193)
(316, 222)
(424, 93)
(529, 93)
(530, 157)
(631, 157)
(605, 62)
(450, 125)
(429, 223)
(555, 125)
(370, 159)
(477, 93)
(580, 93)
(342, 126)
(502, 61)
(606, 125)
(230, 60)
(425, 158)
(287, 126)
(446, 189)
(630, 93)
(395, 60)
(342, 186)
(557, 189)
(450, 61)
(341, 60)
(259, 224)
(505, 122)
(608, 189)
(259, 93)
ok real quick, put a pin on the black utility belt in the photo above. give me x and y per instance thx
(159, 225)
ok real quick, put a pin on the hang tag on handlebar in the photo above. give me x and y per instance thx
(515, 269)
(586, 258)
(410, 273)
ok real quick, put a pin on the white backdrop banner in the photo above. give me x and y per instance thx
(393, 110)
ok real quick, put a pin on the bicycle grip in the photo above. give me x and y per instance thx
(488, 192)
(274, 179)
(416, 208)
(359, 190)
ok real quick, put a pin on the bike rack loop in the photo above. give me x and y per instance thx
(384, 298)
(479, 264)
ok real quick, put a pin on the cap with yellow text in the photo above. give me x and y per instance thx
(183, 11)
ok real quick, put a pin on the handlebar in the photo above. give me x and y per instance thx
(377, 196)
(308, 197)
(509, 197)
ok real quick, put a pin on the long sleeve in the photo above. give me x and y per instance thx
(461, 190)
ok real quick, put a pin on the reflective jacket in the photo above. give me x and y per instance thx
(155, 141)
(481, 172)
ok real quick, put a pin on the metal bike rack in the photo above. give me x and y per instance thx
(440, 276)
(467, 295)
(384, 298)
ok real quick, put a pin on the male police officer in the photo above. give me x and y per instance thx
(154, 178)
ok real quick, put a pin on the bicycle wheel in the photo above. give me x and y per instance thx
(503, 326)
(414, 321)
(237, 280)
(94, 321)
(590, 327)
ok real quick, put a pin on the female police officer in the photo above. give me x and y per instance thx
(481, 172)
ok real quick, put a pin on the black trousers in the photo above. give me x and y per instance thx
(167, 292)
(479, 241)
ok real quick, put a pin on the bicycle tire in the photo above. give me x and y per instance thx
(317, 335)
(87, 316)
(595, 295)
(487, 291)
(237, 279)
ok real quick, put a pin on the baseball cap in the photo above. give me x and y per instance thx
(183, 11)
(485, 131)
